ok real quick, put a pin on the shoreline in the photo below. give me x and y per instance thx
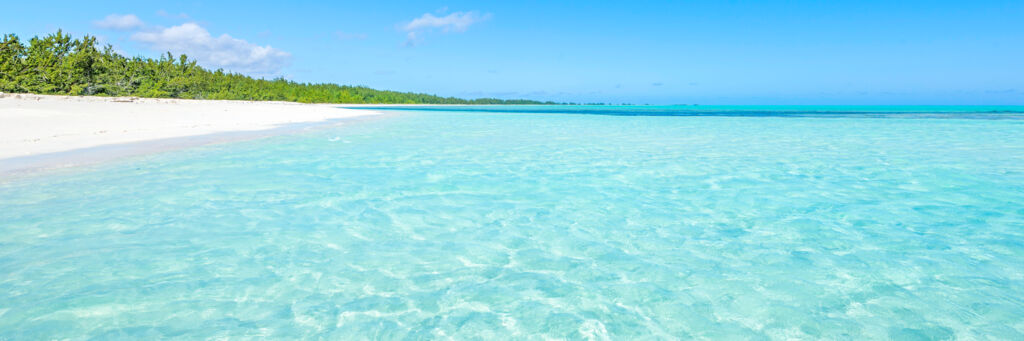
(43, 132)
(26, 166)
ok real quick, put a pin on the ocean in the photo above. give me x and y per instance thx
(569, 222)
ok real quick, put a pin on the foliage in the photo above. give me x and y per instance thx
(58, 64)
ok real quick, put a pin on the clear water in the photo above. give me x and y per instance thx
(494, 225)
(991, 112)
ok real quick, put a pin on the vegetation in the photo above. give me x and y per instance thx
(60, 65)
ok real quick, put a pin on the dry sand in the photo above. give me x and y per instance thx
(33, 126)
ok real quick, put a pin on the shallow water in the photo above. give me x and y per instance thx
(496, 225)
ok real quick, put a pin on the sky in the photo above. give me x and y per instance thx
(640, 52)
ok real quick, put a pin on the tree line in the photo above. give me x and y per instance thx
(57, 64)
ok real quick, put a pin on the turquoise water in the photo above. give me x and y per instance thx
(991, 112)
(436, 224)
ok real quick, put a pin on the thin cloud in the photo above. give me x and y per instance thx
(454, 22)
(457, 22)
(226, 52)
(119, 22)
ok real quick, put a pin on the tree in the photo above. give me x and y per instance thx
(58, 64)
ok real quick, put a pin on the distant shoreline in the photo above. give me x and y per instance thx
(48, 131)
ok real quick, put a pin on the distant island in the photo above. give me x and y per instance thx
(60, 65)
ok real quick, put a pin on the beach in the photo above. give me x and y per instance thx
(563, 170)
(35, 126)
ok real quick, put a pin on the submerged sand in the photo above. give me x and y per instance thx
(35, 126)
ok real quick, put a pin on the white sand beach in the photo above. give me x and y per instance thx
(33, 125)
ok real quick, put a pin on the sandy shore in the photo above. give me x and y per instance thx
(33, 126)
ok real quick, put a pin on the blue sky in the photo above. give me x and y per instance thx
(664, 52)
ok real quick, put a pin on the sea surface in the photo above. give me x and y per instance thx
(491, 222)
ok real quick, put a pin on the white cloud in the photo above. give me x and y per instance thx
(219, 52)
(454, 22)
(119, 22)
(458, 21)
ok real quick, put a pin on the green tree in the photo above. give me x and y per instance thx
(58, 64)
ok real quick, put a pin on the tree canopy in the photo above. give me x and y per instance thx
(57, 64)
